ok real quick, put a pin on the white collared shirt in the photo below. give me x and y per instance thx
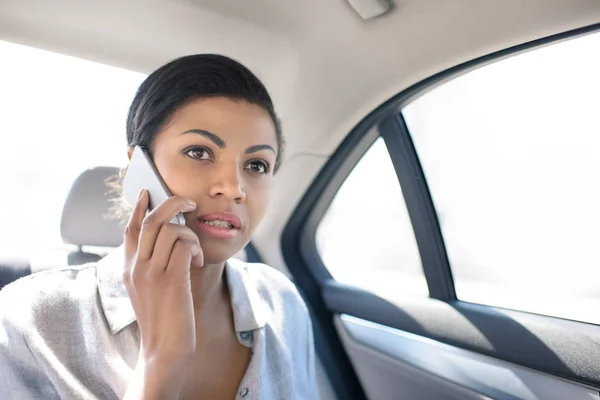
(71, 334)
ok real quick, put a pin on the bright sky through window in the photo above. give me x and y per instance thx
(60, 116)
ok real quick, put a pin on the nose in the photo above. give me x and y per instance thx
(227, 183)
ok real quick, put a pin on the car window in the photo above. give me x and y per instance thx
(61, 115)
(365, 238)
(511, 153)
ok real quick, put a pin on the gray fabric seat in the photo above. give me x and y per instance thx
(83, 223)
(12, 269)
(84, 219)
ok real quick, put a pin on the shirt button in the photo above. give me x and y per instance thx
(244, 392)
(245, 335)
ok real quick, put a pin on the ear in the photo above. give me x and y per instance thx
(129, 152)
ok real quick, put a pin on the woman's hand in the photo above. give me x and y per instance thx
(158, 256)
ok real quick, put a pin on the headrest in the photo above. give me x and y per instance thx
(84, 221)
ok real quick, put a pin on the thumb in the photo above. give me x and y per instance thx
(197, 256)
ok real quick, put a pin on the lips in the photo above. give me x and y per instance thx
(220, 225)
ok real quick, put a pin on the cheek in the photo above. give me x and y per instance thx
(258, 199)
(177, 177)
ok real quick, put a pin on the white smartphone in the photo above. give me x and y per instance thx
(142, 174)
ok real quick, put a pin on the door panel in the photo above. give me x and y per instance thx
(566, 349)
(400, 365)
(384, 376)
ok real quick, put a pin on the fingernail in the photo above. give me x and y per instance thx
(198, 261)
(191, 203)
(140, 194)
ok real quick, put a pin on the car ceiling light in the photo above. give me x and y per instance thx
(368, 9)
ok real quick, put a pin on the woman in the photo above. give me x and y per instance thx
(169, 315)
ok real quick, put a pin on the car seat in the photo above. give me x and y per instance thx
(84, 219)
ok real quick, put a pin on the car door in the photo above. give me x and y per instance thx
(449, 248)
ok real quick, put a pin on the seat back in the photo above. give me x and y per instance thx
(84, 219)
(12, 269)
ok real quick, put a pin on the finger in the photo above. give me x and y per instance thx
(197, 257)
(181, 257)
(134, 225)
(153, 222)
(165, 242)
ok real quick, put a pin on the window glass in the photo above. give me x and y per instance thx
(511, 153)
(60, 116)
(365, 239)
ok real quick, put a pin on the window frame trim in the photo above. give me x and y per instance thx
(308, 242)
(420, 207)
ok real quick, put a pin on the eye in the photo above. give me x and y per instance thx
(198, 153)
(258, 166)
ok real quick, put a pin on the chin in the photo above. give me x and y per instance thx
(217, 252)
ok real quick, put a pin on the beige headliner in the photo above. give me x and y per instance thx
(325, 67)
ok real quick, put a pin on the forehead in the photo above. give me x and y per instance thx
(235, 121)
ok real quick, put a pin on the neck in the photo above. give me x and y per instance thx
(208, 285)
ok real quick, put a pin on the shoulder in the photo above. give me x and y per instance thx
(275, 289)
(51, 284)
(47, 298)
(272, 283)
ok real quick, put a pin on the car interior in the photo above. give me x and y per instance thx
(437, 207)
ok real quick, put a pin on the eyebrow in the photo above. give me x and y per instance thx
(259, 147)
(210, 136)
(221, 143)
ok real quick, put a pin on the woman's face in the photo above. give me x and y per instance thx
(220, 153)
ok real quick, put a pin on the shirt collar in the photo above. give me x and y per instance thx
(246, 303)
